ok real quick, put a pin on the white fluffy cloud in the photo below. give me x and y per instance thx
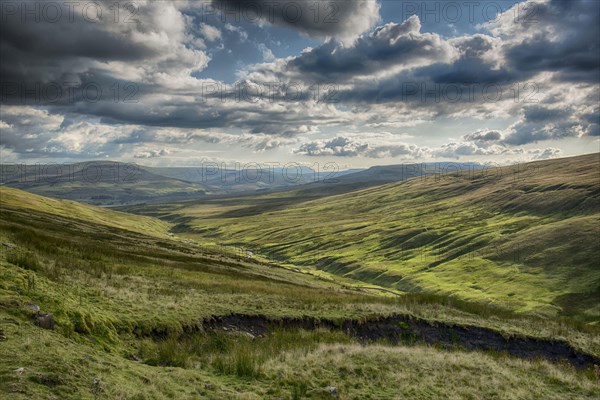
(154, 153)
(371, 145)
(243, 35)
(386, 145)
(36, 132)
(210, 32)
(267, 54)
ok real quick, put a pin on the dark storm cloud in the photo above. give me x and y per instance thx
(399, 63)
(42, 46)
(561, 36)
(484, 136)
(396, 64)
(391, 45)
(76, 39)
(576, 60)
(124, 73)
(318, 18)
(472, 66)
(593, 119)
(101, 41)
(540, 122)
(543, 114)
(463, 73)
(563, 39)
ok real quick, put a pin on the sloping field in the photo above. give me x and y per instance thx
(522, 237)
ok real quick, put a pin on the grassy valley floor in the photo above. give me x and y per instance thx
(145, 316)
(524, 238)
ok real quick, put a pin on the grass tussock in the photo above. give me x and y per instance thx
(233, 353)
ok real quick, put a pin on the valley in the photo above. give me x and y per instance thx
(522, 239)
(171, 304)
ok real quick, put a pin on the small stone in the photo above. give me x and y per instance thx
(9, 245)
(34, 307)
(332, 390)
(20, 371)
(97, 386)
(45, 321)
(209, 386)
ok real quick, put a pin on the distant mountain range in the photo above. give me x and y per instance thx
(109, 183)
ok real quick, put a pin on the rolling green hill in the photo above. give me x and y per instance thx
(10, 197)
(221, 179)
(138, 314)
(122, 184)
(522, 237)
(117, 184)
(99, 183)
(312, 187)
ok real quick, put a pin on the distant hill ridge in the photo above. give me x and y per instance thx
(112, 183)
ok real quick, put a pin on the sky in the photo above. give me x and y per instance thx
(357, 83)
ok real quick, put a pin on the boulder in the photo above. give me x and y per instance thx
(332, 390)
(45, 321)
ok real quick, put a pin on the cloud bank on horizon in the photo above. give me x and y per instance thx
(362, 81)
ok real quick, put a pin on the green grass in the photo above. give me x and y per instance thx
(130, 308)
(234, 353)
(105, 283)
(357, 372)
(526, 242)
(82, 212)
